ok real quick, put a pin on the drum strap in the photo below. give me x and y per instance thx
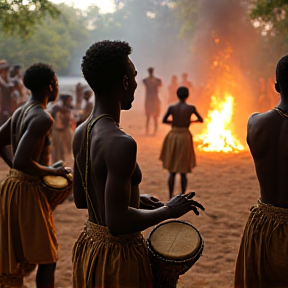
(91, 123)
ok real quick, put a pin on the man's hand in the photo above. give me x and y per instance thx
(181, 204)
(149, 202)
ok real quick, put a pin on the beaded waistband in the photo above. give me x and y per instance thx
(271, 210)
(98, 232)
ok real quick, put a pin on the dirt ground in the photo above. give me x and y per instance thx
(225, 184)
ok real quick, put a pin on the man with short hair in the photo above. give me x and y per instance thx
(263, 255)
(111, 251)
(28, 234)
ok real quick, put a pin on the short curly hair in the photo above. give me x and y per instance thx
(38, 76)
(105, 63)
(182, 92)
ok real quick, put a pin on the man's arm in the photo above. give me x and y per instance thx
(251, 120)
(199, 118)
(31, 142)
(5, 141)
(120, 217)
(78, 189)
(165, 118)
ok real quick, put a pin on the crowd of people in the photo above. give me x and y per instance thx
(111, 251)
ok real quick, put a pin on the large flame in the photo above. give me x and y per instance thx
(217, 135)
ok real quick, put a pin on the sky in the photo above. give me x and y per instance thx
(105, 6)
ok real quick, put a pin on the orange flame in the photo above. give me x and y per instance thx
(217, 135)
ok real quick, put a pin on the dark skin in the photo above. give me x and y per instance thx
(31, 154)
(181, 114)
(267, 137)
(112, 168)
(151, 76)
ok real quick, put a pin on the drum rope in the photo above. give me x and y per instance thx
(90, 126)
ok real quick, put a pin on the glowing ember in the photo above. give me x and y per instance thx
(217, 135)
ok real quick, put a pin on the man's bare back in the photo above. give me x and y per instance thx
(181, 113)
(267, 138)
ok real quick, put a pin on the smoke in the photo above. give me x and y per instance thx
(222, 57)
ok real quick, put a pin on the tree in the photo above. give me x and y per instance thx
(54, 42)
(20, 17)
(270, 19)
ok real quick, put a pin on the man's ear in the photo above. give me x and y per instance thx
(125, 82)
(277, 87)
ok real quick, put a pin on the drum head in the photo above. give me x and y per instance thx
(175, 240)
(57, 182)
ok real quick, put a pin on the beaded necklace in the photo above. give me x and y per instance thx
(280, 112)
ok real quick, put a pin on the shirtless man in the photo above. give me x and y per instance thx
(27, 227)
(263, 255)
(111, 252)
(152, 101)
(177, 154)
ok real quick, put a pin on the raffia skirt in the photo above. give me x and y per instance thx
(263, 255)
(101, 260)
(177, 154)
(28, 235)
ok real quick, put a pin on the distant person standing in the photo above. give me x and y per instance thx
(152, 102)
(78, 94)
(61, 130)
(87, 106)
(172, 88)
(177, 154)
(186, 83)
(19, 94)
(263, 255)
(6, 89)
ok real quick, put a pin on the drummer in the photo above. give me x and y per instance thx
(111, 251)
(27, 227)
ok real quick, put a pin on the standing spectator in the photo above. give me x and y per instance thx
(178, 155)
(6, 89)
(172, 89)
(61, 131)
(20, 93)
(152, 102)
(87, 105)
(79, 94)
(186, 83)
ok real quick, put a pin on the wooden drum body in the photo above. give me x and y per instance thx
(56, 189)
(174, 246)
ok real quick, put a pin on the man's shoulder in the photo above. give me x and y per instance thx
(261, 119)
(41, 117)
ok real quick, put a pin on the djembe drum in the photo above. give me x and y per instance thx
(56, 189)
(174, 246)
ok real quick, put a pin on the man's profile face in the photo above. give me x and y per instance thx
(128, 98)
(55, 89)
